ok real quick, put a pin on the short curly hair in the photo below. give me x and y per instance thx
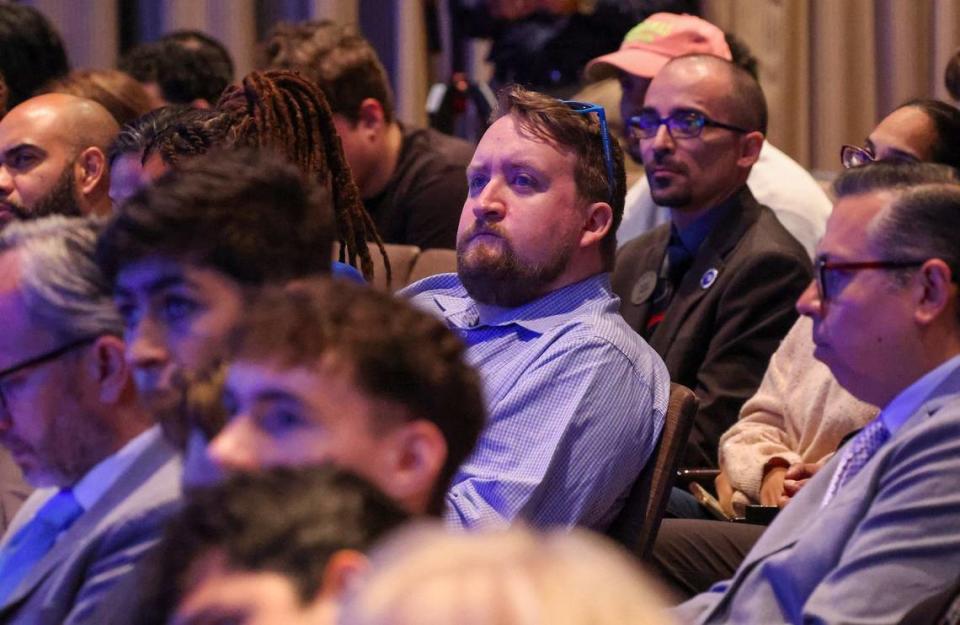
(393, 351)
(283, 520)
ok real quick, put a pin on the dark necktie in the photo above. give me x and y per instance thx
(676, 262)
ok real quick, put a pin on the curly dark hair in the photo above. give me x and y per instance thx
(251, 215)
(282, 112)
(183, 67)
(282, 520)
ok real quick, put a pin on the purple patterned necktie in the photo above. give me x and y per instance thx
(856, 455)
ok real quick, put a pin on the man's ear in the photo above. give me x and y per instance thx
(935, 291)
(415, 459)
(107, 368)
(750, 146)
(599, 220)
(371, 115)
(90, 168)
(342, 571)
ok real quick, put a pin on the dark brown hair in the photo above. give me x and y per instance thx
(250, 215)
(288, 521)
(553, 121)
(281, 111)
(393, 352)
(338, 59)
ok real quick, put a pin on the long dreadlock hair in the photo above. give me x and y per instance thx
(282, 111)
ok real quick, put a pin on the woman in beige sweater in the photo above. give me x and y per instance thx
(797, 418)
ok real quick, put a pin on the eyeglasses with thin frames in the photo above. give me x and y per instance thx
(855, 156)
(823, 268)
(586, 108)
(36, 361)
(680, 124)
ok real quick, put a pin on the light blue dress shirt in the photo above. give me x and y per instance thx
(575, 401)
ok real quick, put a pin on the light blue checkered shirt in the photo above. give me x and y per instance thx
(575, 401)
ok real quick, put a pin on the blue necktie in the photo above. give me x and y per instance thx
(856, 455)
(676, 262)
(34, 540)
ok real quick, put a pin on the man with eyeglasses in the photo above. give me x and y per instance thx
(776, 180)
(875, 529)
(713, 290)
(575, 398)
(799, 415)
(69, 414)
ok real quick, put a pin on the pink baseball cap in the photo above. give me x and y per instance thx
(654, 41)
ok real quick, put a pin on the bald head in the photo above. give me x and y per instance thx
(75, 121)
(53, 157)
(739, 94)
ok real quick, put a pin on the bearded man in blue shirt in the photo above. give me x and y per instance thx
(576, 398)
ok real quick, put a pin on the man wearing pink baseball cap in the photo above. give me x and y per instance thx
(776, 180)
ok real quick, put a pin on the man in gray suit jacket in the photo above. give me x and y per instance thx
(876, 528)
(69, 414)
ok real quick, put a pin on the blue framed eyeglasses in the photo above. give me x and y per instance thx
(680, 124)
(586, 108)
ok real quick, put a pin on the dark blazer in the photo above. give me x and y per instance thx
(732, 308)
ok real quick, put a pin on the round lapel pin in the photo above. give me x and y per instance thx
(708, 278)
(643, 288)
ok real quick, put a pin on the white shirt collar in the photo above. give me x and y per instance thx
(95, 483)
(904, 405)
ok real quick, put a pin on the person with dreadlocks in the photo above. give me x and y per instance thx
(282, 112)
(411, 179)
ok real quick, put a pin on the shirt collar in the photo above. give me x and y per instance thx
(537, 316)
(904, 405)
(95, 483)
(696, 233)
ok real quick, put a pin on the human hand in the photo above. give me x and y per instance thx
(796, 478)
(771, 488)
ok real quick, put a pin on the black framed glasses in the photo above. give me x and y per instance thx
(586, 108)
(826, 271)
(39, 360)
(855, 156)
(680, 124)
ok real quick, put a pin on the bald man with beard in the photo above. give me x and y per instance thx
(53, 158)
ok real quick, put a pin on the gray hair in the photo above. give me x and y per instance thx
(923, 222)
(60, 282)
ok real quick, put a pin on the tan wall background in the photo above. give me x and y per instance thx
(832, 68)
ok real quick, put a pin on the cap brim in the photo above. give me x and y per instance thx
(644, 63)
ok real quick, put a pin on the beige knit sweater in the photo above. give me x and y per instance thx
(800, 414)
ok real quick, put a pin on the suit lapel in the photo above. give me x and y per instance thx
(636, 309)
(150, 461)
(806, 505)
(742, 214)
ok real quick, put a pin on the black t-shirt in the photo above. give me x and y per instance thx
(422, 201)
